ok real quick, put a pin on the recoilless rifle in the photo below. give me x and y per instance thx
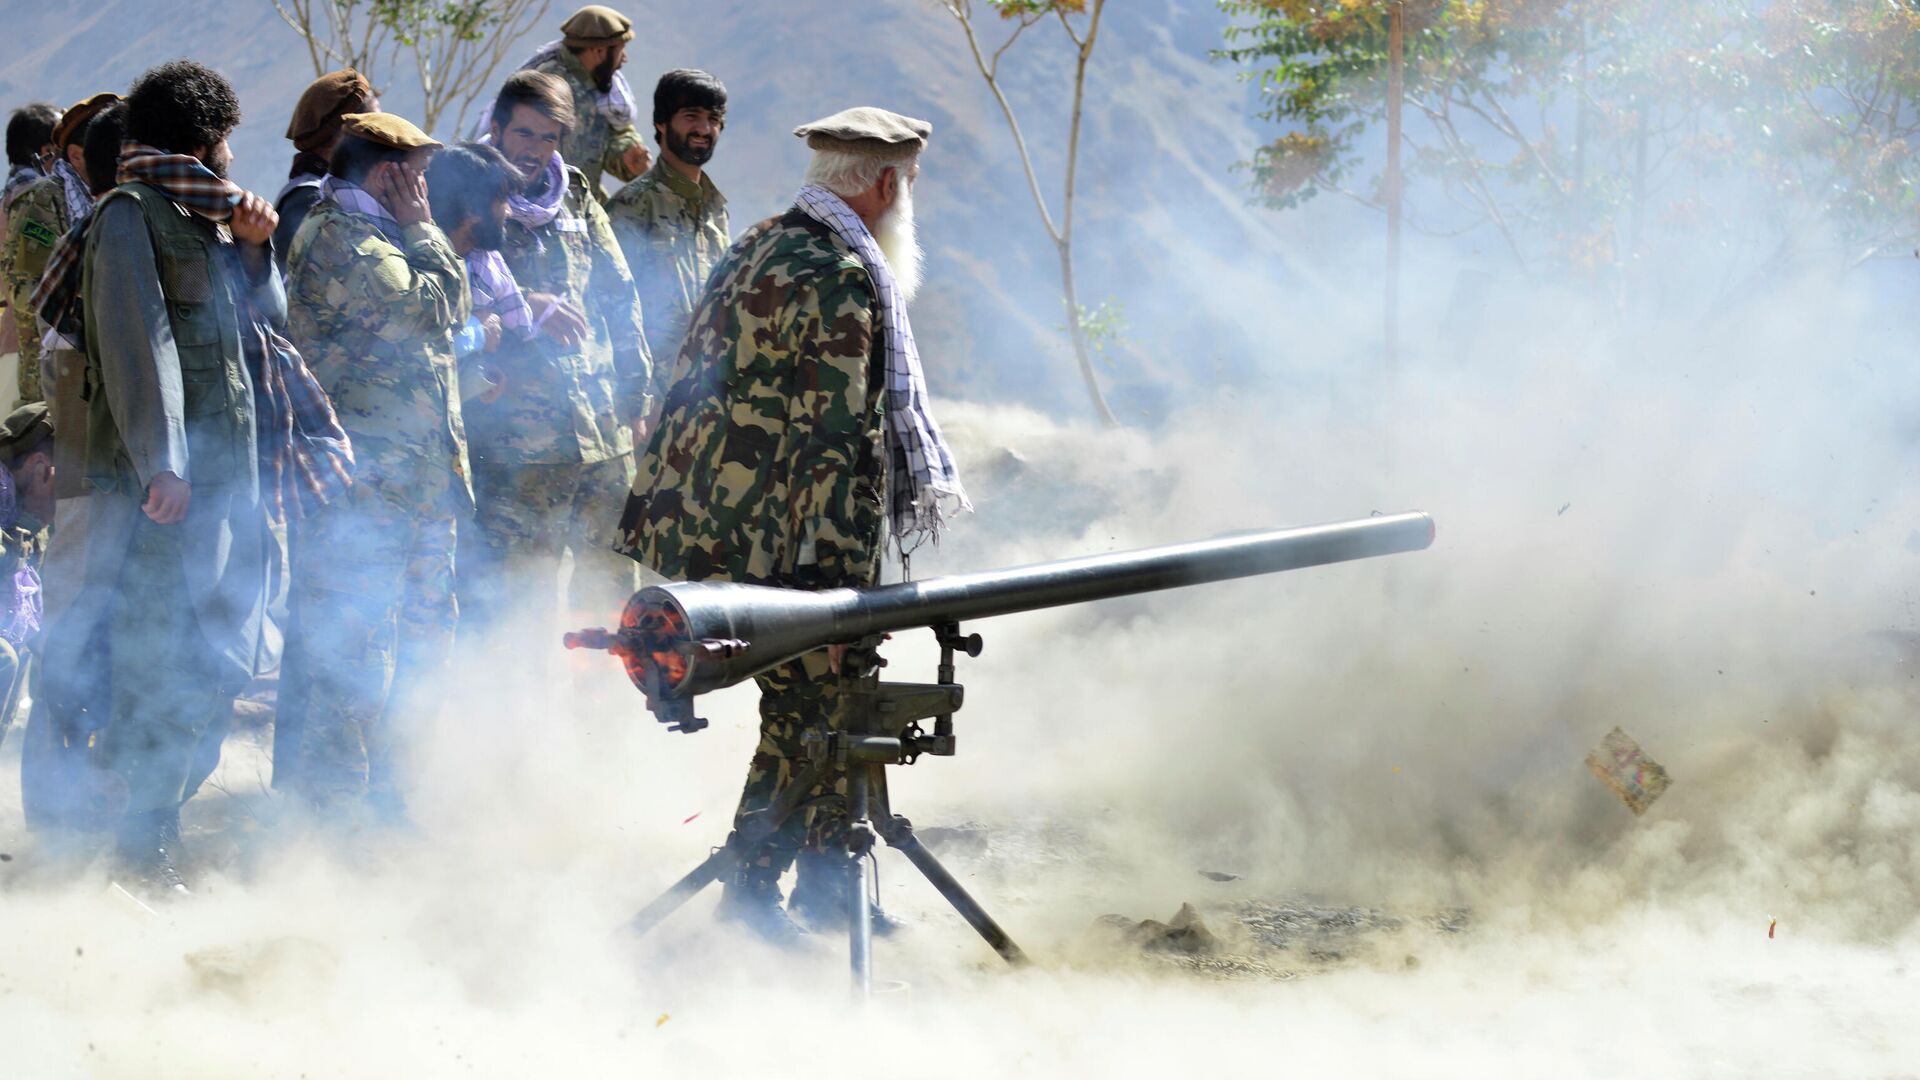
(681, 640)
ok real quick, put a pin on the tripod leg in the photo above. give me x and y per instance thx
(729, 855)
(683, 890)
(860, 852)
(900, 836)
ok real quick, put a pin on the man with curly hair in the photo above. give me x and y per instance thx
(179, 295)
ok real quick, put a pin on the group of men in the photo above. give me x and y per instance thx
(381, 409)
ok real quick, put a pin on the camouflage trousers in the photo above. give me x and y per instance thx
(795, 696)
(172, 695)
(373, 615)
(531, 515)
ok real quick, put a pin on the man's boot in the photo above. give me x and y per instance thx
(144, 849)
(822, 893)
(752, 899)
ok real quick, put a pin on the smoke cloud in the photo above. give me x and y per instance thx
(1691, 521)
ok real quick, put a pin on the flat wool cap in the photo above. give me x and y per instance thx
(74, 120)
(595, 25)
(386, 129)
(317, 115)
(24, 427)
(867, 130)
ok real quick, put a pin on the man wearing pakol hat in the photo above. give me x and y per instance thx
(40, 215)
(672, 222)
(26, 509)
(553, 454)
(588, 56)
(314, 131)
(795, 435)
(180, 303)
(375, 294)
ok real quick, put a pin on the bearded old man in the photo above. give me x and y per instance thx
(795, 434)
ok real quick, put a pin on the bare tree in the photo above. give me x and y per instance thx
(454, 46)
(1024, 15)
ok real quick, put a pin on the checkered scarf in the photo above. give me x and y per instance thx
(74, 190)
(495, 292)
(305, 458)
(923, 485)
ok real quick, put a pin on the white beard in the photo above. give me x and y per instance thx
(900, 243)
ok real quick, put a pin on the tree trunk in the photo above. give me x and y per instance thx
(1396, 64)
(1077, 334)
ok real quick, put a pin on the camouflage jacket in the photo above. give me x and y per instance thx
(767, 465)
(672, 231)
(35, 223)
(568, 404)
(374, 320)
(594, 146)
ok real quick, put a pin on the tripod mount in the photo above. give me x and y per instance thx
(878, 724)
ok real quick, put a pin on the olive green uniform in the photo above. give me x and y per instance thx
(373, 313)
(553, 455)
(673, 232)
(35, 223)
(595, 146)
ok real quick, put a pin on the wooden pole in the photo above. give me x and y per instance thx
(1396, 71)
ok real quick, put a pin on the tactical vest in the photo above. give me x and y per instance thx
(202, 283)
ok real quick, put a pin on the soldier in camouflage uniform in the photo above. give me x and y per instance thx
(588, 58)
(555, 449)
(672, 222)
(769, 462)
(29, 146)
(39, 216)
(375, 293)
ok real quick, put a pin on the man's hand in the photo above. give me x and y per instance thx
(496, 380)
(167, 499)
(638, 159)
(402, 189)
(558, 319)
(253, 220)
(490, 326)
(642, 431)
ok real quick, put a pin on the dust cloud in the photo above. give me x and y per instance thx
(1706, 541)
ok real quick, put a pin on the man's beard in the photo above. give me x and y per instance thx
(488, 233)
(900, 242)
(681, 148)
(218, 163)
(603, 75)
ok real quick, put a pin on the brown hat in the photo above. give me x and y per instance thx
(593, 26)
(23, 429)
(867, 130)
(316, 119)
(386, 129)
(74, 121)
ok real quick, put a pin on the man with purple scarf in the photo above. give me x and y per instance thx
(555, 451)
(178, 293)
(375, 294)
